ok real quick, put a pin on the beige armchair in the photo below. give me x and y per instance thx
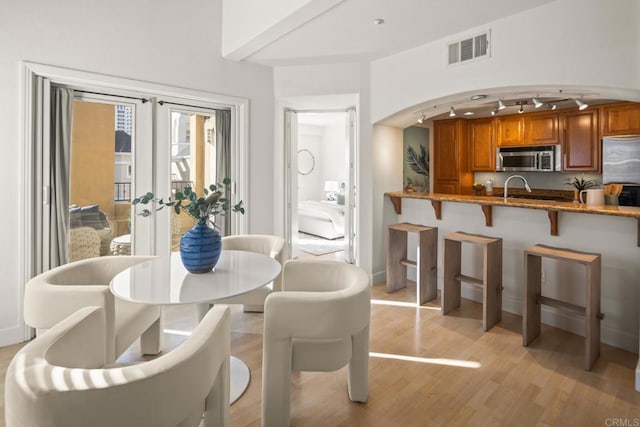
(319, 322)
(60, 378)
(272, 246)
(55, 294)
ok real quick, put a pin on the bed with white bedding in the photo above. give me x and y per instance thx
(321, 219)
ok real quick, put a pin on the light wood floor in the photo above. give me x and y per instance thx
(454, 374)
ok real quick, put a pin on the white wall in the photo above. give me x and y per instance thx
(249, 25)
(142, 40)
(310, 186)
(388, 177)
(334, 152)
(328, 144)
(565, 42)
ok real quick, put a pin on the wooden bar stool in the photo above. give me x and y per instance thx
(533, 298)
(491, 282)
(426, 260)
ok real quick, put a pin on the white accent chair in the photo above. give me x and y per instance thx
(51, 296)
(319, 322)
(61, 378)
(272, 246)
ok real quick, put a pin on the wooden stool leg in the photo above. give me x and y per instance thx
(592, 316)
(492, 285)
(532, 290)
(397, 251)
(452, 269)
(427, 285)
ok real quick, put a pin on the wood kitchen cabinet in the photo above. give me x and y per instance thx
(581, 144)
(541, 129)
(510, 130)
(482, 148)
(451, 173)
(621, 118)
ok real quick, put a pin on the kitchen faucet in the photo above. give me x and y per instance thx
(506, 184)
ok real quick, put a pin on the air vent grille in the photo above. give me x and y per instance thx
(468, 49)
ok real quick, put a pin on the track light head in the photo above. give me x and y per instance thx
(452, 112)
(581, 105)
(501, 105)
(494, 112)
(521, 110)
(421, 119)
(537, 103)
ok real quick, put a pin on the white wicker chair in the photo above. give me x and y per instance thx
(84, 242)
(61, 379)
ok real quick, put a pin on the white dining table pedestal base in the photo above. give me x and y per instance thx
(240, 376)
(239, 381)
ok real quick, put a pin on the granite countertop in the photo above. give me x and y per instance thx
(548, 205)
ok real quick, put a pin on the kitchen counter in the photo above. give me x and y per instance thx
(488, 202)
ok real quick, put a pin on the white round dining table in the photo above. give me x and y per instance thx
(164, 281)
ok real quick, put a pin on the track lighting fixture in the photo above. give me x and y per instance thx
(421, 119)
(581, 105)
(521, 110)
(554, 106)
(452, 112)
(494, 112)
(537, 103)
(501, 105)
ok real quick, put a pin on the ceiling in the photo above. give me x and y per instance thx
(346, 32)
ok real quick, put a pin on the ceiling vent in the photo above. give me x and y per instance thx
(469, 48)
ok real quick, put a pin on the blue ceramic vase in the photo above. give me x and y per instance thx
(200, 249)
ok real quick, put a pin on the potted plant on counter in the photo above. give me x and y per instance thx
(200, 247)
(580, 184)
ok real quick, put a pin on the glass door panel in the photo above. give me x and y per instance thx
(193, 161)
(100, 178)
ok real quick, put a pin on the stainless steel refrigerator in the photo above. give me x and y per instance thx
(621, 159)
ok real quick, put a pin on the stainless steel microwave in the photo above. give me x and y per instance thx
(535, 158)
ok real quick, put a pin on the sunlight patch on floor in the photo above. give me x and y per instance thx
(439, 361)
(401, 304)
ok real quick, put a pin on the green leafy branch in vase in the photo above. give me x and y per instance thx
(203, 209)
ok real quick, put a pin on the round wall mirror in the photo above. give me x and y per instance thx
(306, 161)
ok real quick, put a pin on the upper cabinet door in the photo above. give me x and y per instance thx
(581, 145)
(511, 130)
(445, 150)
(482, 145)
(542, 129)
(621, 119)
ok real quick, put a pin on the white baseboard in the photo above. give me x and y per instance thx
(379, 277)
(12, 335)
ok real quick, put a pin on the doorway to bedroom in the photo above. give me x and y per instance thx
(321, 147)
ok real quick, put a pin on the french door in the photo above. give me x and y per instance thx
(303, 162)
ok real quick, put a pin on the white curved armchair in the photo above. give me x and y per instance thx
(319, 322)
(272, 246)
(55, 294)
(59, 379)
